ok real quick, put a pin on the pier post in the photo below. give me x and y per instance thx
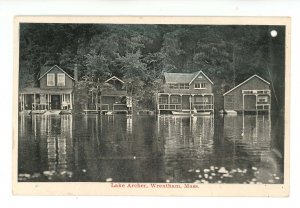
(169, 100)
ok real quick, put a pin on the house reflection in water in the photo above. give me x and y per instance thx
(47, 145)
(119, 147)
(188, 143)
(251, 139)
(148, 148)
(251, 133)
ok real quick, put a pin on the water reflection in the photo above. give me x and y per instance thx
(251, 134)
(45, 144)
(188, 143)
(148, 148)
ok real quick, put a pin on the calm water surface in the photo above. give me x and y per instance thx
(165, 148)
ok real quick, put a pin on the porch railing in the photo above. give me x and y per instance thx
(203, 106)
(169, 106)
(41, 106)
(104, 107)
(263, 106)
(119, 107)
(113, 107)
(47, 106)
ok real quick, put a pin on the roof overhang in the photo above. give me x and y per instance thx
(52, 69)
(200, 72)
(255, 75)
(114, 78)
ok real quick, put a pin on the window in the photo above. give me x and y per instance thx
(50, 80)
(200, 86)
(61, 80)
(162, 100)
(262, 99)
(174, 100)
(201, 99)
(173, 86)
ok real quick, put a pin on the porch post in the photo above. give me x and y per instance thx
(34, 102)
(243, 102)
(212, 102)
(101, 104)
(270, 102)
(60, 100)
(97, 100)
(181, 101)
(92, 97)
(169, 100)
(190, 101)
(65, 100)
(71, 103)
(204, 106)
(49, 101)
(21, 101)
(256, 104)
(157, 103)
(243, 113)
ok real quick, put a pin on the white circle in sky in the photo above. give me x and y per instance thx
(273, 33)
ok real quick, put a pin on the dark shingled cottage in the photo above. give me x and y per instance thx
(186, 93)
(252, 95)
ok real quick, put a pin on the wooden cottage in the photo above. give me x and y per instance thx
(186, 93)
(252, 95)
(114, 97)
(55, 91)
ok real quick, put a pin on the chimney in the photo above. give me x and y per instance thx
(75, 72)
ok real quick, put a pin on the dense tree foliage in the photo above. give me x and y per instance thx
(140, 54)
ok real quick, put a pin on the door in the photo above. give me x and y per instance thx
(55, 102)
(185, 102)
(250, 102)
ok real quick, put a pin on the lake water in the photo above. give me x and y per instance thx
(163, 148)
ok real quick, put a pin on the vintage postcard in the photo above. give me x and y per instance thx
(164, 106)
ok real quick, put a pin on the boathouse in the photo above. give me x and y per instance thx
(114, 97)
(252, 95)
(55, 92)
(186, 93)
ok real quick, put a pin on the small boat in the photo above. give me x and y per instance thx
(181, 113)
(65, 112)
(38, 111)
(194, 113)
(231, 113)
(53, 112)
(109, 113)
(207, 113)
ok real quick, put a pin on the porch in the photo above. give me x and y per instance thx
(37, 99)
(115, 104)
(185, 102)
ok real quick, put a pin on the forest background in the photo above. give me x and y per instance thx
(140, 54)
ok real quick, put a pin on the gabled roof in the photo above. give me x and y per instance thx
(46, 69)
(183, 77)
(114, 78)
(245, 82)
(200, 72)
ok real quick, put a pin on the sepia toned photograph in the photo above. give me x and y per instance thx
(151, 106)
